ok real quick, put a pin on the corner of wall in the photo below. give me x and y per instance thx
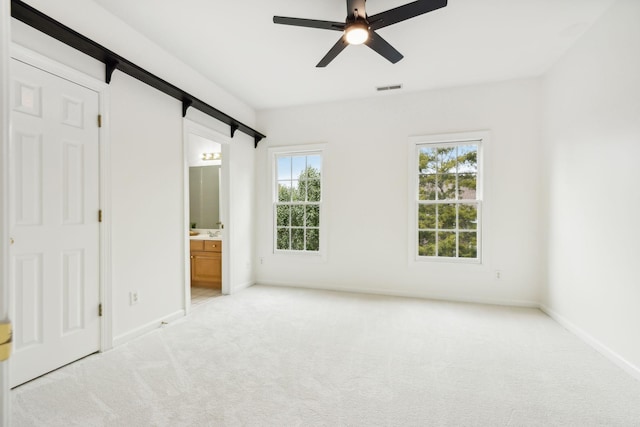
(590, 136)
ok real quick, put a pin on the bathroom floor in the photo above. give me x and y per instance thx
(201, 295)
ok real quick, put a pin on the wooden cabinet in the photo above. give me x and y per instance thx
(206, 263)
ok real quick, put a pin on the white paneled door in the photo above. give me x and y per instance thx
(54, 193)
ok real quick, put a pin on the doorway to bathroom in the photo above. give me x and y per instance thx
(206, 224)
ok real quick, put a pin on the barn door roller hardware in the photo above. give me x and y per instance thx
(49, 26)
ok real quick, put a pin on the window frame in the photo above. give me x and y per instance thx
(444, 141)
(293, 151)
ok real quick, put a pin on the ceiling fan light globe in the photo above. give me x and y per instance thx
(357, 34)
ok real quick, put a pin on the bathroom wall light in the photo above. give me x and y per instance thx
(211, 156)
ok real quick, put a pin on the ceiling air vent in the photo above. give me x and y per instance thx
(391, 87)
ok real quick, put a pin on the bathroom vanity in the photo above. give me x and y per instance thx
(206, 262)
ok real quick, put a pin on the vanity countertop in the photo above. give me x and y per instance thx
(205, 236)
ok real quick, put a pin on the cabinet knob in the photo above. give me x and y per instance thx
(213, 246)
(191, 256)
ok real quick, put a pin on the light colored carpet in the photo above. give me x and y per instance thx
(290, 357)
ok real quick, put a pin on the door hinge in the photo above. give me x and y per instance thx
(100, 215)
(99, 310)
(99, 120)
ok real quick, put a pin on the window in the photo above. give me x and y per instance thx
(447, 199)
(298, 201)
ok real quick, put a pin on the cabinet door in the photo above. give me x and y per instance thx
(206, 269)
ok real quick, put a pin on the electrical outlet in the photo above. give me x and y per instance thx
(261, 260)
(498, 274)
(133, 297)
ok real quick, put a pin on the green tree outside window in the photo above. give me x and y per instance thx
(448, 206)
(297, 209)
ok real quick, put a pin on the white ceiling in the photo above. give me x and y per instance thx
(237, 45)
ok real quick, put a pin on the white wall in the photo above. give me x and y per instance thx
(593, 148)
(146, 197)
(243, 212)
(365, 170)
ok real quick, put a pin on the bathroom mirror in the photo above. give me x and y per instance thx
(204, 196)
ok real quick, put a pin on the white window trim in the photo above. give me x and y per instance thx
(482, 137)
(305, 149)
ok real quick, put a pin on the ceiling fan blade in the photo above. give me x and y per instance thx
(335, 50)
(402, 13)
(309, 23)
(381, 46)
(356, 4)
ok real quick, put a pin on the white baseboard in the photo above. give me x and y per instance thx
(407, 294)
(593, 342)
(241, 286)
(155, 324)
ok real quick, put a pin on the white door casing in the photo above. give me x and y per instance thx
(5, 36)
(55, 199)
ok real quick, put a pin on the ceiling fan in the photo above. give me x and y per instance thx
(359, 28)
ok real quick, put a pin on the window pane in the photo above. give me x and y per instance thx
(447, 217)
(284, 191)
(314, 164)
(468, 245)
(468, 159)
(295, 191)
(467, 186)
(297, 216)
(298, 165)
(427, 161)
(427, 243)
(283, 216)
(426, 216)
(446, 244)
(283, 238)
(297, 239)
(446, 184)
(468, 217)
(427, 189)
(446, 158)
(313, 215)
(284, 168)
(313, 191)
(313, 239)
(302, 191)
